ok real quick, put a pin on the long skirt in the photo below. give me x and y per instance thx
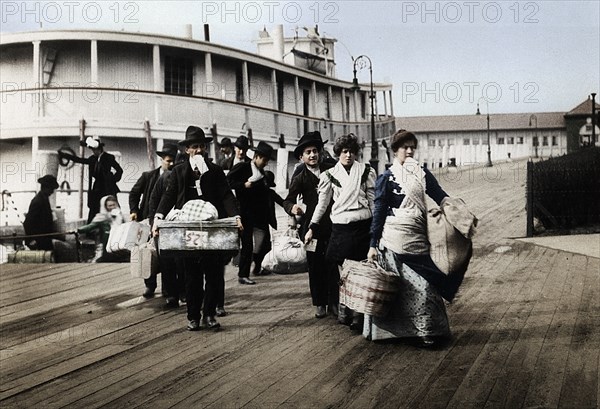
(417, 310)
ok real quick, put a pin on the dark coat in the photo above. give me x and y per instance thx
(256, 201)
(143, 188)
(102, 181)
(181, 189)
(39, 221)
(305, 183)
(157, 194)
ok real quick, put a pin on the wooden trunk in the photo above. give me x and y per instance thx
(195, 238)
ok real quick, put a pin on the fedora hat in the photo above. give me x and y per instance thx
(242, 142)
(169, 149)
(193, 134)
(92, 142)
(49, 181)
(309, 139)
(264, 149)
(225, 142)
(270, 178)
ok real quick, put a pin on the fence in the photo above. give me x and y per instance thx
(564, 192)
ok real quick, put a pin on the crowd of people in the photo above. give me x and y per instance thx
(345, 212)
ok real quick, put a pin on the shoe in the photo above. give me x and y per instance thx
(183, 300)
(264, 272)
(172, 302)
(149, 293)
(333, 309)
(221, 312)
(210, 323)
(321, 312)
(246, 280)
(356, 325)
(193, 325)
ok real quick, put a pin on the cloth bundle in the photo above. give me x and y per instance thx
(197, 210)
(287, 255)
(450, 229)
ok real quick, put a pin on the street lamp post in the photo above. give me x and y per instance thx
(361, 62)
(489, 150)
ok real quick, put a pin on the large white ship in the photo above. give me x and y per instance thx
(138, 91)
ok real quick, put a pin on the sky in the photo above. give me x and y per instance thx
(441, 57)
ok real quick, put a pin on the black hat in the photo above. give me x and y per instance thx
(225, 142)
(242, 142)
(309, 139)
(169, 149)
(193, 134)
(49, 181)
(264, 149)
(270, 178)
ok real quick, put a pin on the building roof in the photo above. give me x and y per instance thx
(585, 108)
(471, 123)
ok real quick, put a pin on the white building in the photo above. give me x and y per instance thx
(463, 139)
(60, 86)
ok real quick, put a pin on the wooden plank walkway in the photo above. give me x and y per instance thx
(526, 334)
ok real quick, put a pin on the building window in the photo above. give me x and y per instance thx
(475, 141)
(450, 142)
(280, 95)
(511, 141)
(431, 143)
(554, 141)
(536, 142)
(179, 76)
(500, 141)
(466, 141)
(545, 141)
(440, 142)
(520, 140)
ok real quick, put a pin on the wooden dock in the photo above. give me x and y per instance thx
(526, 334)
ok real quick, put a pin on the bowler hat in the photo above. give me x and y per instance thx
(270, 178)
(193, 134)
(264, 149)
(49, 181)
(225, 142)
(169, 149)
(242, 142)
(309, 139)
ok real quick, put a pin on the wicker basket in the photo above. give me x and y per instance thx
(367, 288)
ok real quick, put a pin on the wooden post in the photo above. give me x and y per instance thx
(149, 146)
(529, 198)
(82, 168)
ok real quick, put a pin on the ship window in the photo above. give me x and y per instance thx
(327, 105)
(239, 85)
(347, 109)
(179, 75)
(280, 95)
(363, 105)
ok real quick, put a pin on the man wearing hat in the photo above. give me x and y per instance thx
(39, 218)
(240, 147)
(251, 189)
(101, 165)
(199, 179)
(321, 272)
(226, 148)
(140, 210)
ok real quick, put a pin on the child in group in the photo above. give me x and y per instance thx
(110, 215)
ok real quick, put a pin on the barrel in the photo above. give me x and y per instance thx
(31, 256)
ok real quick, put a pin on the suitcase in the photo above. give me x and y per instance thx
(144, 260)
(127, 235)
(194, 238)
